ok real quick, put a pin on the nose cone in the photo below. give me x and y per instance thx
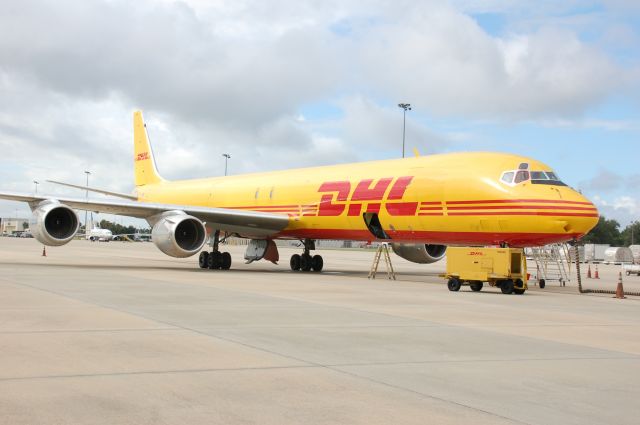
(585, 219)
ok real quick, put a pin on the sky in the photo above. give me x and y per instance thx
(283, 84)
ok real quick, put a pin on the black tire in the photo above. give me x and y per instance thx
(225, 261)
(506, 286)
(317, 263)
(203, 260)
(476, 286)
(454, 284)
(294, 262)
(518, 291)
(541, 283)
(305, 262)
(215, 260)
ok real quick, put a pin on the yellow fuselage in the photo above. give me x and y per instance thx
(441, 199)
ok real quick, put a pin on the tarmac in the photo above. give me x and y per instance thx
(118, 333)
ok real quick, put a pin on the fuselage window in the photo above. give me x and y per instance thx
(521, 176)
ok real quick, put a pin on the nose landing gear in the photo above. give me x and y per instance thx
(306, 262)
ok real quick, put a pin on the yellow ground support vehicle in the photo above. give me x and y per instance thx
(505, 268)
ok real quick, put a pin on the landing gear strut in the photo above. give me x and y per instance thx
(215, 260)
(306, 262)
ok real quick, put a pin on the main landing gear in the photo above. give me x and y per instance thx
(215, 260)
(306, 262)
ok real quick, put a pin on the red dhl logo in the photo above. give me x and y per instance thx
(475, 253)
(142, 156)
(338, 196)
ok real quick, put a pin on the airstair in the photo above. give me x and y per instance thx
(553, 262)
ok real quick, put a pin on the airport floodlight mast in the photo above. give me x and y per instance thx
(226, 159)
(405, 107)
(86, 230)
(36, 183)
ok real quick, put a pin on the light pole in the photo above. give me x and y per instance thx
(226, 158)
(405, 107)
(86, 229)
(36, 183)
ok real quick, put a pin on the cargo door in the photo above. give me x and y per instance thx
(372, 221)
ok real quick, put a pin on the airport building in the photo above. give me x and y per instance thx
(11, 225)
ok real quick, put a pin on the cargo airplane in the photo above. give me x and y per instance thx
(419, 205)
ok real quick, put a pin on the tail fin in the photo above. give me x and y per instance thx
(143, 161)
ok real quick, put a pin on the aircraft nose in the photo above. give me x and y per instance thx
(582, 222)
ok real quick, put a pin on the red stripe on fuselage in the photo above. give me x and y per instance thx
(521, 207)
(518, 201)
(533, 213)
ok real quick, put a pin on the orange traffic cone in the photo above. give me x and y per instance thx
(620, 289)
(596, 275)
(44, 251)
(589, 272)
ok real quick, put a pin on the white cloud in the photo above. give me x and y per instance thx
(624, 209)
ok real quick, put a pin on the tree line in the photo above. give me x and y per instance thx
(118, 229)
(608, 232)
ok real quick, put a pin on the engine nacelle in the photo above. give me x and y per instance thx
(53, 224)
(420, 253)
(178, 234)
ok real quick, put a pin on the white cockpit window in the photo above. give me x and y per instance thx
(521, 176)
(539, 175)
(507, 177)
(552, 175)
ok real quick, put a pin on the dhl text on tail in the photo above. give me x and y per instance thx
(420, 205)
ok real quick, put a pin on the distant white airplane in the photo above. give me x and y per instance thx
(101, 235)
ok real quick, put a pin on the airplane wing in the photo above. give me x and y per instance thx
(248, 223)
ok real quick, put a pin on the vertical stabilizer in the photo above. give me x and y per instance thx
(143, 162)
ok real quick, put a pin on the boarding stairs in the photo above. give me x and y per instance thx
(553, 262)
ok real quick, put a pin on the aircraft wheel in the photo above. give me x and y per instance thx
(541, 283)
(317, 263)
(294, 263)
(203, 260)
(225, 261)
(305, 262)
(215, 260)
(454, 284)
(518, 291)
(476, 286)
(506, 286)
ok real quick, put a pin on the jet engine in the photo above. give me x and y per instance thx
(420, 253)
(53, 223)
(178, 234)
